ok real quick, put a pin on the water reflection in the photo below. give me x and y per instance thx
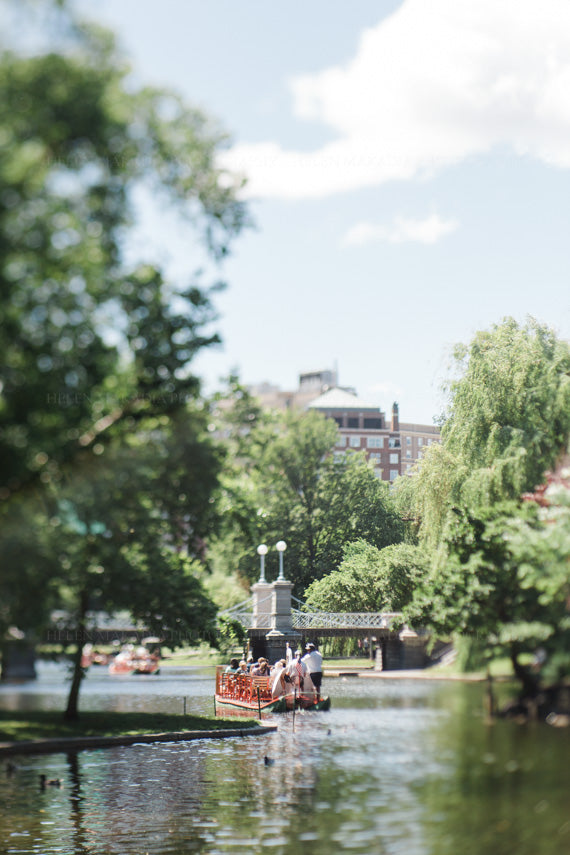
(395, 767)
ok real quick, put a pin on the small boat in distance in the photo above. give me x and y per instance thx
(241, 694)
(133, 660)
(91, 656)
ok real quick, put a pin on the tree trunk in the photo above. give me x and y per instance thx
(72, 709)
(529, 681)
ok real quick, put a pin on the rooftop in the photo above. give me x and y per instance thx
(340, 399)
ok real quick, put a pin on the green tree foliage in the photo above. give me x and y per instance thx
(77, 142)
(120, 547)
(500, 580)
(500, 573)
(507, 421)
(369, 579)
(107, 474)
(509, 415)
(293, 487)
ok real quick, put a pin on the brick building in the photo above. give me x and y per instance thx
(390, 445)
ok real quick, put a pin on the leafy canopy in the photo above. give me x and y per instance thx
(292, 486)
(507, 421)
(369, 579)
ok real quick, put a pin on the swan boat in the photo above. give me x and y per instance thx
(243, 693)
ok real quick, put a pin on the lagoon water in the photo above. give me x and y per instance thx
(401, 767)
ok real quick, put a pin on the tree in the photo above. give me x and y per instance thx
(77, 143)
(497, 574)
(507, 421)
(316, 501)
(106, 472)
(497, 581)
(369, 579)
(116, 546)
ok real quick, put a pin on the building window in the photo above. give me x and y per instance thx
(394, 442)
(408, 452)
(373, 424)
(341, 442)
(393, 458)
(375, 442)
(355, 442)
(408, 440)
(393, 474)
(420, 441)
(352, 422)
(338, 456)
(375, 458)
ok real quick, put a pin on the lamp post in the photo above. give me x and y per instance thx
(262, 552)
(281, 546)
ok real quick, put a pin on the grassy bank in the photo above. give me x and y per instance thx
(22, 726)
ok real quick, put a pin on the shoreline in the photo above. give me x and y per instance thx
(415, 674)
(80, 743)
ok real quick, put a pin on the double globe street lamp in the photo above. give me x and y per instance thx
(262, 551)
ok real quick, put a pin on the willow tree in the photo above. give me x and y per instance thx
(507, 424)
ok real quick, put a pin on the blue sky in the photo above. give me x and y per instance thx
(409, 176)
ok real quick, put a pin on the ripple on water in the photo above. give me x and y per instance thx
(393, 768)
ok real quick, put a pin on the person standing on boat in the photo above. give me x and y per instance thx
(278, 674)
(297, 672)
(313, 661)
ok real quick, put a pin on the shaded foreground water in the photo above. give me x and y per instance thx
(401, 766)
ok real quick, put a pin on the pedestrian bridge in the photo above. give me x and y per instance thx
(273, 619)
(252, 615)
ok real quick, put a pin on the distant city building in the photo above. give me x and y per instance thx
(391, 446)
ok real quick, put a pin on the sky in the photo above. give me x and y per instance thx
(408, 170)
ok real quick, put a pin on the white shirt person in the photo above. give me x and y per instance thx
(313, 661)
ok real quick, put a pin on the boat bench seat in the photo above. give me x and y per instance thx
(262, 683)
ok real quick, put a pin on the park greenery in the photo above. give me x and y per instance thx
(21, 726)
(107, 468)
(287, 483)
(499, 555)
(124, 488)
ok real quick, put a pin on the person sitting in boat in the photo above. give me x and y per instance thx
(297, 672)
(261, 668)
(314, 663)
(243, 669)
(233, 667)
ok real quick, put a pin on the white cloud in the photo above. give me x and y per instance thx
(403, 230)
(433, 84)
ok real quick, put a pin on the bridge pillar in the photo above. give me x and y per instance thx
(413, 649)
(276, 644)
(281, 606)
(281, 623)
(262, 604)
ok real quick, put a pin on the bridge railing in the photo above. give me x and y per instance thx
(243, 612)
(343, 620)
